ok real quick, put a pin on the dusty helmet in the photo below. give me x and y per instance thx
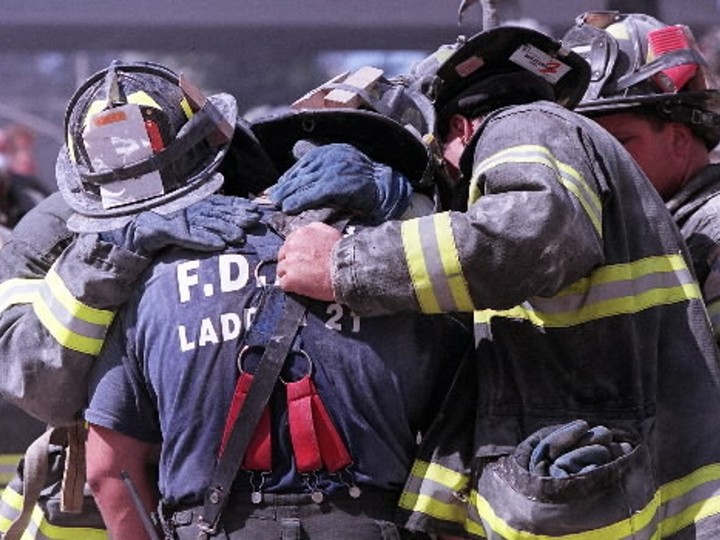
(139, 137)
(502, 66)
(382, 117)
(638, 62)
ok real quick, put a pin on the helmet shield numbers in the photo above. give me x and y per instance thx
(138, 139)
(538, 62)
(113, 139)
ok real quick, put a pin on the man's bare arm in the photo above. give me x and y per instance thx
(108, 454)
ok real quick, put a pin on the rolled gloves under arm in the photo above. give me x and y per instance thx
(573, 448)
(340, 176)
(207, 225)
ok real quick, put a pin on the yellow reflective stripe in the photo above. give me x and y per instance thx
(4, 524)
(15, 501)
(682, 487)
(9, 459)
(77, 310)
(621, 529)
(659, 506)
(8, 467)
(692, 514)
(185, 106)
(450, 480)
(12, 498)
(434, 264)
(673, 284)
(18, 291)
(30, 291)
(668, 493)
(138, 98)
(569, 177)
(429, 506)
(410, 232)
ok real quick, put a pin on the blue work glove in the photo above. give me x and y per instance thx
(207, 225)
(575, 448)
(341, 176)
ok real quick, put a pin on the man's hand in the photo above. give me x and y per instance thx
(304, 261)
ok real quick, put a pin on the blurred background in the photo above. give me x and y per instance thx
(265, 52)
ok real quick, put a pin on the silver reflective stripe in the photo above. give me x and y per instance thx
(9, 510)
(434, 264)
(66, 319)
(435, 270)
(39, 528)
(18, 291)
(609, 291)
(569, 177)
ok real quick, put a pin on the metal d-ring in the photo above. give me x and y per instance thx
(243, 352)
(309, 361)
(256, 274)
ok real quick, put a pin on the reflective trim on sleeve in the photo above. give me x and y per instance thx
(8, 467)
(570, 178)
(434, 264)
(18, 291)
(39, 528)
(675, 506)
(433, 490)
(621, 289)
(74, 325)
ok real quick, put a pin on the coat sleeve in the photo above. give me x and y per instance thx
(533, 227)
(58, 296)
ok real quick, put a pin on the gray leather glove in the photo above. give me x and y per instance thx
(207, 225)
(573, 448)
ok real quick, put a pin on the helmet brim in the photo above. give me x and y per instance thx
(379, 137)
(91, 216)
(676, 107)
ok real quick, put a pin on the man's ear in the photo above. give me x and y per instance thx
(459, 127)
(682, 138)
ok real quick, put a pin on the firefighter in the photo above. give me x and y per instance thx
(18, 193)
(64, 274)
(327, 466)
(655, 94)
(591, 408)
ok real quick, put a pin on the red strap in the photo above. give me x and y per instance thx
(258, 456)
(315, 439)
(335, 454)
(302, 428)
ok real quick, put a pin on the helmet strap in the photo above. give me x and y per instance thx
(667, 60)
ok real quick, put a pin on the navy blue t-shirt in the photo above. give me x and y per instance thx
(168, 370)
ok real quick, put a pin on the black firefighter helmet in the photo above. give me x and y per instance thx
(139, 137)
(640, 63)
(383, 117)
(505, 65)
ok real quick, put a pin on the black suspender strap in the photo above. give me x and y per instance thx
(264, 379)
(268, 370)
